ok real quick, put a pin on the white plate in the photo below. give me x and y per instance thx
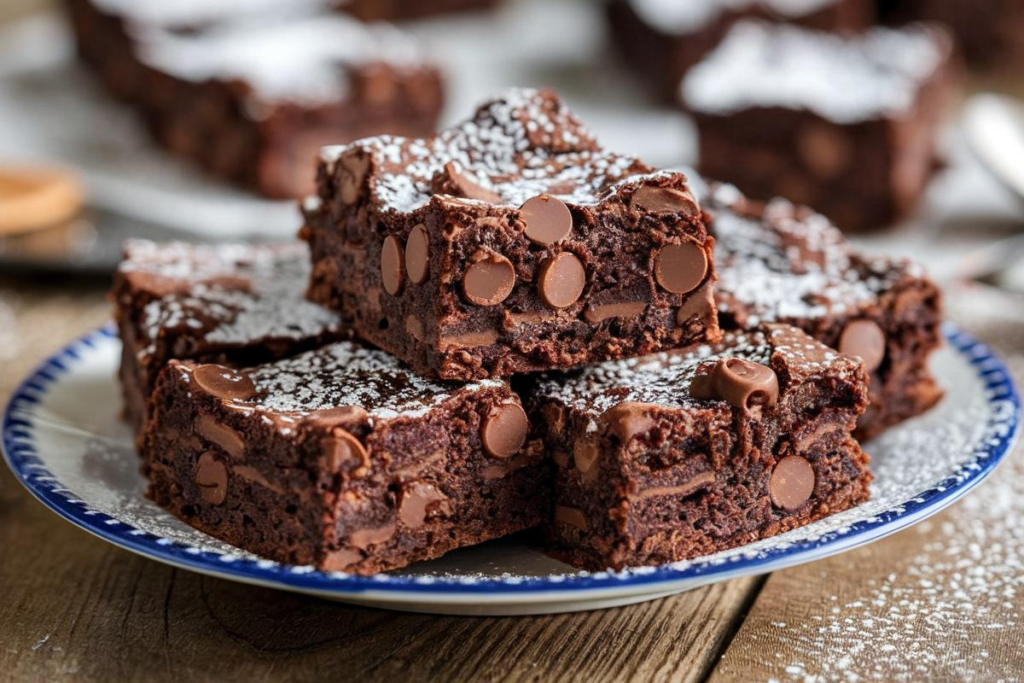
(63, 440)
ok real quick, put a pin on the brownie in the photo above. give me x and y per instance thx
(509, 243)
(689, 452)
(847, 125)
(782, 263)
(662, 39)
(990, 34)
(342, 458)
(251, 91)
(232, 303)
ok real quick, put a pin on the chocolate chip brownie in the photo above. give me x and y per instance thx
(342, 458)
(846, 125)
(783, 263)
(510, 243)
(662, 39)
(251, 90)
(232, 303)
(689, 452)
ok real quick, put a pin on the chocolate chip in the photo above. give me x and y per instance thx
(664, 200)
(585, 454)
(489, 281)
(865, 339)
(392, 265)
(626, 420)
(417, 254)
(547, 219)
(222, 435)
(466, 187)
(345, 452)
(354, 166)
(223, 382)
(417, 500)
(212, 479)
(414, 326)
(791, 483)
(628, 309)
(364, 538)
(504, 430)
(332, 417)
(561, 280)
(340, 560)
(680, 268)
(742, 383)
(574, 517)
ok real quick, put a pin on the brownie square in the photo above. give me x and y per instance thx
(232, 303)
(509, 243)
(990, 34)
(342, 458)
(782, 263)
(251, 91)
(847, 125)
(662, 39)
(689, 452)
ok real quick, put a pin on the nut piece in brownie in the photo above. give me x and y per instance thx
(847, 125)
(662, 39)
(235, 304)
(782, 263)
(251, 91)
(688, 452)
(342, 458)
(510, 243)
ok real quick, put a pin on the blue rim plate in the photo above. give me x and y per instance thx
(921, 467)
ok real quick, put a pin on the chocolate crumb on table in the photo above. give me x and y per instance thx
(662, 39)
(231, 303)
(685, 453)
(251, 91)
(509, 243)
(342, 458)
(783, 263)
(846, 125)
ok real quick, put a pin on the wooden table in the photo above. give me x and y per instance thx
(941, 601)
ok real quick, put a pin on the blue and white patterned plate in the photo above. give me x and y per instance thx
(64, 442)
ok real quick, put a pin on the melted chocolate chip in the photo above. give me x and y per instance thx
(221, 435)
(212, 479)
(547, 219)
(741, 383)
(392, 265)
(865, 339)
(417, 255)
(504, 430)
(345, 452)
(680, 268)
(223, 382)
(561, 280)
(791, 483)
(353, 171)
(489, 281)
(461, 185)
(664, 200)
(417, 501)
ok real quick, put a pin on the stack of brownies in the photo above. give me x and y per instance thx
(506, 326)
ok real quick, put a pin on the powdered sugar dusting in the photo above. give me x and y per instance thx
(228, 295)
(350, 374)
(844, 79)
(673, 16)
(789, 263)
(664, 378)
(518, 145)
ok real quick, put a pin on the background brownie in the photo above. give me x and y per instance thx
(342, 458)
(781, 263)
(847, 125)
(512, 242)
(252, 91)
(685, 453)
(662, 39)
(232, 303)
